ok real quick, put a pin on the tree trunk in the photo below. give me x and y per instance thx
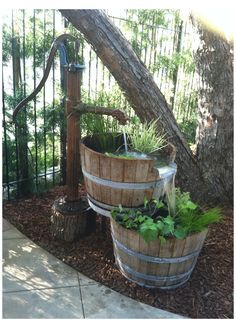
(140, 89)
(214, 137)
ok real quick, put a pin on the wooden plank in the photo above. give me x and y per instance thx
(117, 172)
(151, 249)
(178, 247)
(142, 169)
(86, 184)
(138, 197)
(189, 245)
(117, 169)
(129, 176)
(194, 243)
(105, 167)
(82, 159)
(105, 195)
(129, 239)
(153, 173)
(105, 173)
(127, 197)
(130, 170)
(166, 250)
(89, 187)
(133, 244)
(116, 196)
(87, 160)
(95, 164)
(96, 190)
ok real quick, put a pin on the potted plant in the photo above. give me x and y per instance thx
(160, 250)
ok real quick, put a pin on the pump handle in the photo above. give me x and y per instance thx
(55, 45)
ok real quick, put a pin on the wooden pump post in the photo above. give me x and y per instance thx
(73, 81)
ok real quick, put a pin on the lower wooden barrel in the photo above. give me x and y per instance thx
(155, 265)
(115, 181)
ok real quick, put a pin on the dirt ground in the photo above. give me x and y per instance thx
(208, 293)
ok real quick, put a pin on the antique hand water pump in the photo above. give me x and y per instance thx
(70, 217)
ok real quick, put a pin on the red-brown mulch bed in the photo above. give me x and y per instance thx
(208, 293)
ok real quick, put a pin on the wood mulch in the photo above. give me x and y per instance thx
(208, 293)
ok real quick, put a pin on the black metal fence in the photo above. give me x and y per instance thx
(34, 149)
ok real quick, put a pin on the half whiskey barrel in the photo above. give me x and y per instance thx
(155, 265)
(113, 181)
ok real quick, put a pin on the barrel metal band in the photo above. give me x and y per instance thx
(121, 185)
(110, 207)
(154, 277)
(173, 286)
(153, 259)
(99, 209)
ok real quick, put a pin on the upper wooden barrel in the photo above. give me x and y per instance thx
(115, 181)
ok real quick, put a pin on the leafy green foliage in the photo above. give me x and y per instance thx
(149, 230)
(188, 219)
(188, 128)
(171, 62)
(194, 221)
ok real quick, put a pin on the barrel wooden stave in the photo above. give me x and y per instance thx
(167, 273)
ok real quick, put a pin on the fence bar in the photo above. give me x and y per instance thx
(89, 80)
(14, 94)
(44, 102)
(96, 79)
(5, 139)
(35, 106)
(53, 104)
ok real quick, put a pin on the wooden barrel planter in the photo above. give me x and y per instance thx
(155, 265)
(113, 181)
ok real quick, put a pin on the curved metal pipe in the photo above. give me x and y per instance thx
(56, 43)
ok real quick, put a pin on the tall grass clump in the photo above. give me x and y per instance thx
(145, 138)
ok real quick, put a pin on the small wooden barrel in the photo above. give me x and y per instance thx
(155, 265)
(115, 181)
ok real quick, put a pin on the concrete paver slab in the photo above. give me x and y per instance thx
(10, 232)
(54, 303)
(27, 266)
(103, 303)
(6, 225)
(84, 281)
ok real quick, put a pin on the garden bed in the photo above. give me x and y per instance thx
(208, 293)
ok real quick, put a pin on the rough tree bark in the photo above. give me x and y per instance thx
(214, 138)
(140, 89)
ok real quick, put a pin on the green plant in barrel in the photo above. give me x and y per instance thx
(188, 218)
(146, 139)
(142, 138)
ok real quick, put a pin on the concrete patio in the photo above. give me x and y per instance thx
(38, 285)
